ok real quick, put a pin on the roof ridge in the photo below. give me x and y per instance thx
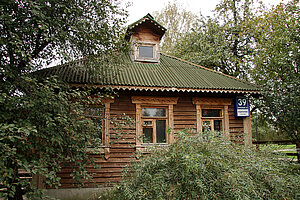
(206, 68)
(132, 25)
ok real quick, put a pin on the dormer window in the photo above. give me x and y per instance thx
(144, 36)
(146, 52)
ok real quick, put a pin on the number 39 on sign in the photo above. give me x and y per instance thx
(241, 107)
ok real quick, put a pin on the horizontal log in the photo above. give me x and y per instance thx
(235, 125)
(183, 118)
(116, 160)
(193, 123)
(67, 171)
(180, 113)
(121, 155)
(184, 126)
(112, 150)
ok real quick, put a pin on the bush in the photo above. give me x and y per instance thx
(195, 167)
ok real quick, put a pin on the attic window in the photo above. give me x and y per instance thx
(146, 52)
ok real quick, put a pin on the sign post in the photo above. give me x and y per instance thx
(241, 107)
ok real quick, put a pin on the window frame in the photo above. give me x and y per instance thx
(149, 101)
(212, 119)
(153, 125)
(213, 103)
(105, 143)
(155, 57)
(86, 113)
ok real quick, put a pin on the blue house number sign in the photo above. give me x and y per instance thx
(241, 107)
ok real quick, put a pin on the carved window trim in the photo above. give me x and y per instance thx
(213, 103)
(106, 130)
(143, 101)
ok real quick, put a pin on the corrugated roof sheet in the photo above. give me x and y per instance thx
(170, 74)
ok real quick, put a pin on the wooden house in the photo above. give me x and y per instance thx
(164, 95)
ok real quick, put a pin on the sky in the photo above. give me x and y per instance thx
(140, 8)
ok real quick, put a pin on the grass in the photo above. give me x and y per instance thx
(280, 148)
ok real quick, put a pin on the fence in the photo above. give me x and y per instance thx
(283, 142)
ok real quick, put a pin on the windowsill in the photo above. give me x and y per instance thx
(144, 60)
(152, 145)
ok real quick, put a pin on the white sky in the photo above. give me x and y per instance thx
(140, 8)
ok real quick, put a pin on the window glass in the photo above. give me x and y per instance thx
(147, 135)
(217, 125)
(146, 51)
(211, 112)
(154, 112)
(161, 131)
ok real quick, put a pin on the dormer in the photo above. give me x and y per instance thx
(144, 36)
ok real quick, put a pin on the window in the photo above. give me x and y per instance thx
(153, 117)
(212, 120)
(96, 115)
(154, 112)
(146, 51)
(212, 114)
(154, 125)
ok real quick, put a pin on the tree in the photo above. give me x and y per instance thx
(221, 42)
(41, 122)
(276, 66)
(177, 21)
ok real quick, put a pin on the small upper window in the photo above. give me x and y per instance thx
(154, 112)
(211, 113)
(146, 51)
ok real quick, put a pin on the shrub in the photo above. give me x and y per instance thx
(195, 167)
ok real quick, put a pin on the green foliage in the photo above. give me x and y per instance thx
(221, 42)
(42, 126)
(42, 131)
(276, 66)
(208, 168)
(36, 32)
(264, 129)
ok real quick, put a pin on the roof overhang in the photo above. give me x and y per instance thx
(168, 89)
(149, 20)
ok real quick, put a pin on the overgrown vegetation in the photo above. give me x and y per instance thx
(197, 167)
(41, 122)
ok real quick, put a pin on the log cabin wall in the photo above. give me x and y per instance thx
(122, 147)
(121, 150)
(236, 126)
(185, 115)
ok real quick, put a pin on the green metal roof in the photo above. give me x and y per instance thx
(170, 74)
